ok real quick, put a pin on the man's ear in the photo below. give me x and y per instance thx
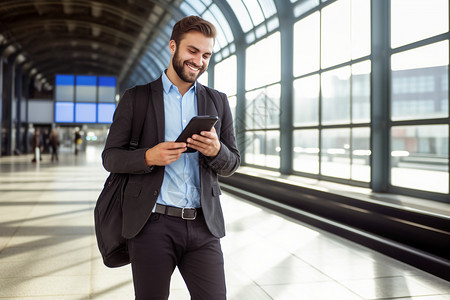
(172, 47)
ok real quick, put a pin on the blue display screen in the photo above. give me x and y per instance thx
(84, 98)
(64, 112)
(105, 112)
(65, 79)
(86, 80)
(107, 81)
(85, 112)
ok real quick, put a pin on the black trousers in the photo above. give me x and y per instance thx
(168, 242)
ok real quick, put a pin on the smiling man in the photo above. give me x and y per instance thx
(171, 208)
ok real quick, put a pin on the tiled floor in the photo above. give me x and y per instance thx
(48, 248)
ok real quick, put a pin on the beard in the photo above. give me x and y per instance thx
(185, 75)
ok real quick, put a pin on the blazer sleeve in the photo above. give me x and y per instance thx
(228, 159)
(117, 158)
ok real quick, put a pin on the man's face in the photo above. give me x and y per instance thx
(191, 56)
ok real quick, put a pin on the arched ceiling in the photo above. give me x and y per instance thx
(78, 36)
(121, 38)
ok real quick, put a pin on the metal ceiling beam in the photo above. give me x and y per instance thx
(49, 45)
(16, 8)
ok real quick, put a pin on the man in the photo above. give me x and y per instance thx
(37, 145)
(77, 140)
(171, 210)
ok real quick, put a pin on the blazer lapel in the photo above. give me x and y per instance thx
(201, 99)
(158, 105)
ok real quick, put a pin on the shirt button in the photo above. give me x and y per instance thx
(184, 121)
(178, 97)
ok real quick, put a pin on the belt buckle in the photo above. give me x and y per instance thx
(188, 218)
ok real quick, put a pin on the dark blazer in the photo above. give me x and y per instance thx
(145, 182)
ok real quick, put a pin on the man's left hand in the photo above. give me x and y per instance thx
(206, 143)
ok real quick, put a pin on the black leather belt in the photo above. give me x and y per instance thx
(184, 213)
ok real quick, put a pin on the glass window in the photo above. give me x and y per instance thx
(306, 101)
(336, 29)
(233, 102)
(220, 40)
(419, 157)
(198, 5)
(263, 62)
(306, 151)
(420, 82)
(268, 7)
(304, 6)
(250, 37)
(241, 13)
(335, 152)
(273, 149)
(189, 10)
(345, 31)
(272, 24)
(225, 76)
(360, 28)
(256, 14)
(250, 144)
(263, 108)
(263, 148)
(307, 45)
(260, 31)
(361, 154)
(203, 79)
(361, 92)
(414, 20)
(336, 96)
(224, 26)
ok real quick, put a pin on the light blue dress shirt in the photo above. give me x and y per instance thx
(181, 184)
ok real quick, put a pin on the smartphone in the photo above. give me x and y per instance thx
(195, 126)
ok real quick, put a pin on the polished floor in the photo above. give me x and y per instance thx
(48, 248)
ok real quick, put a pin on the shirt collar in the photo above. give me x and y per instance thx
(167, 84)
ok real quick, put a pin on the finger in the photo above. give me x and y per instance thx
(203, 146)
(197, 141)
(208, 134)
(205, 137)
(175, 145)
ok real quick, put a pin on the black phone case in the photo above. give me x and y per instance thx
(195, 126)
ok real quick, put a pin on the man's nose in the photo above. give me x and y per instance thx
(199, 61)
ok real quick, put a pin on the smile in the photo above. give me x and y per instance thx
(192, 67)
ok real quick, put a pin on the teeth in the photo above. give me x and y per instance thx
(192, 68)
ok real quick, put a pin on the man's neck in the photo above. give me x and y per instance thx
(182, 85)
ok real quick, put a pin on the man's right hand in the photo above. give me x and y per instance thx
(164, 153)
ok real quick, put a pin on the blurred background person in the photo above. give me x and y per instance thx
(54, 144)
(78, 141)
(37, 145)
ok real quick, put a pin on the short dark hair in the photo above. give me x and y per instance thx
(192, 23)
